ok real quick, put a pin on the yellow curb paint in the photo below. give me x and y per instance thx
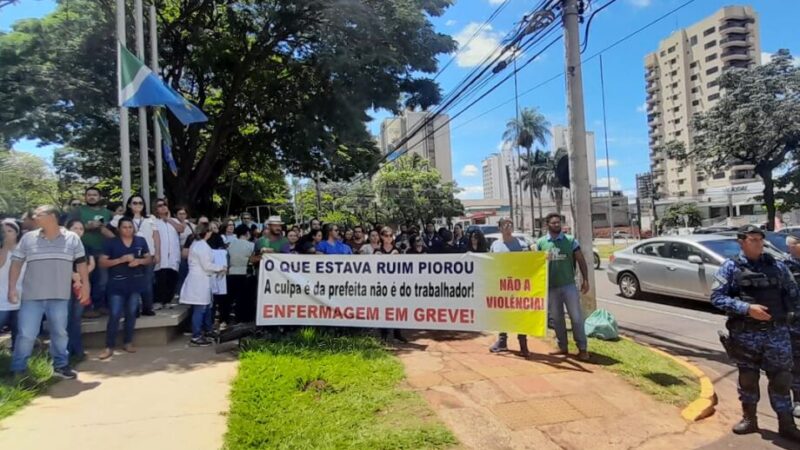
(703, 405)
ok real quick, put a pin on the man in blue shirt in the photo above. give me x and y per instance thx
(332, 244)
(759, 294)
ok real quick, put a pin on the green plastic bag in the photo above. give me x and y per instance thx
(602, 325)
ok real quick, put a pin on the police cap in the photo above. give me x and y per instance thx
(749, 229)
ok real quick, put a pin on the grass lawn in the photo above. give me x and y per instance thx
(650, 372)
(13, 396)
(605, 250)
(316, 391)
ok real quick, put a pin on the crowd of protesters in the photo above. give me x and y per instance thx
(121, 262)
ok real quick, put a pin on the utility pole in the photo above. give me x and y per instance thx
(608, 165)
(579, 171)
(519, 157)
(156, 128)
(510, 193)
(124, 131)
(144, 160)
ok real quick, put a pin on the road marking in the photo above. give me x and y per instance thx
(659, 311)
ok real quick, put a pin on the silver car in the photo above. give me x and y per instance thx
(680, 266)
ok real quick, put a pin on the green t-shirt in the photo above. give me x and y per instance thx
(276, 245)
(561, 254)
(93, 239)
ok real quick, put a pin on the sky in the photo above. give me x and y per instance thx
(475, 135)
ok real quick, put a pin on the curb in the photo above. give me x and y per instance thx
(703, 406)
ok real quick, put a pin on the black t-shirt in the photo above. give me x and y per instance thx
(381, 251)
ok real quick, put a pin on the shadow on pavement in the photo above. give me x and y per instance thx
(664, 379)
(676, 347)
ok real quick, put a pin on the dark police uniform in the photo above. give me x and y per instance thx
(759, 345)
(793, 265)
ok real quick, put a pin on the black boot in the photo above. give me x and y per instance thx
(501, 345)
(796, 398)
(523, 345)
(749, 422)
(786, 427)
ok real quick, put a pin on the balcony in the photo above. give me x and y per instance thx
(735, 26)
(652, 119)
(734, 40)
(735, 53)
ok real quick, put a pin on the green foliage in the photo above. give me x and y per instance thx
(26, 182)
(673, 216)
(529, 128)
(313, 390)
(757, 121)
(14, 396)
(285, 85)
(410, 190)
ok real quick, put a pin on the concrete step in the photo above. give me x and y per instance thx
(160, 329)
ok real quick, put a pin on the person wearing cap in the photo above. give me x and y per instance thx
(508, 243)
(758, 293)
(273, 240)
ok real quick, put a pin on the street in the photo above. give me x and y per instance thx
(689, 328)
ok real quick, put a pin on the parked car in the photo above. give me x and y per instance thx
(775, 238)
(596, 258)
(713, 230)
(680, 266)
(524, 240)
(622, 235)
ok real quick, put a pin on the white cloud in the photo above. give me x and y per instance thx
(470, 192)
(615, 184)
(640, 3)
(601, 163)
(495, 2)
(642, 108)
(470, 170)
(450, 23)
(484, 44)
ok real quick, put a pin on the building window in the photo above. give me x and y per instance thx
(678, 133)
(598, 217)
(713, 97)
(693, 65)
(709, 44)
(674, 73)
(695, 102)
(709, 31)
(712, 70)
(693, 40)
(677, 121)
(675, 97)
(694, 77)
(695, 89)
(674, 85)
(676, 109)
(712, 83)
(719, 175)
(711, 57)
(701, 178)
(701, 191)
(671, 49)
(663, 53)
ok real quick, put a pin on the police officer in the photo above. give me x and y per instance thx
(793, 263)
(758, 293)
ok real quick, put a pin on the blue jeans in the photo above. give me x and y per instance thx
(75, 341)
(183, 270)
(202, 320)
(147, 295)
(567, 296)
(30, 322)
(98, 279)
(10, 318)
(119, 305)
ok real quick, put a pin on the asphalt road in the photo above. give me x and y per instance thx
(689, 328)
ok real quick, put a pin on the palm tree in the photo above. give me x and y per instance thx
(555, 188)
(540, 176)
(529, 128)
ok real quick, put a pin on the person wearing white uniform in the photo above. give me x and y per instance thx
(8, 310)
(168, 260)
(196, 291)
(144, 225)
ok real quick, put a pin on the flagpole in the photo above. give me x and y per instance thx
(144, 160)
(124, 131)
(156, 128)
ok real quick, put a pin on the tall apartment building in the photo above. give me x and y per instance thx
(561, 140)
(644, 186)
(682, 79)
(431, 143)
(495, 179)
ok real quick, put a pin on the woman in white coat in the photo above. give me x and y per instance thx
(196, 291)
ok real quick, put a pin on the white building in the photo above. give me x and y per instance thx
(495, 179)
(561, 140)
(432, 142)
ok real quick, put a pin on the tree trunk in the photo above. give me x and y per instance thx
(769, 196)
(541, 214)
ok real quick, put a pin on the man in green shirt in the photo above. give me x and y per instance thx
(563, 252)
(95, 217)
(274, 241)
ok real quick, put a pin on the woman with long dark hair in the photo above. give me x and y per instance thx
(144, 226)
(477, 242)
(387, 247)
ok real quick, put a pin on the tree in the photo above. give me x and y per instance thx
(410, 190)
(25, 183)
(285, 83)
(529, 128)
(757, 122)
(673, 216)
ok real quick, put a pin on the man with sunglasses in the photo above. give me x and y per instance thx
(760, 297)
(332, 243)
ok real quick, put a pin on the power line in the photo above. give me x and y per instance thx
(589, 24)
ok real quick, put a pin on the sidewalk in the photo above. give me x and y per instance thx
(506, 402)
(169, 397)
